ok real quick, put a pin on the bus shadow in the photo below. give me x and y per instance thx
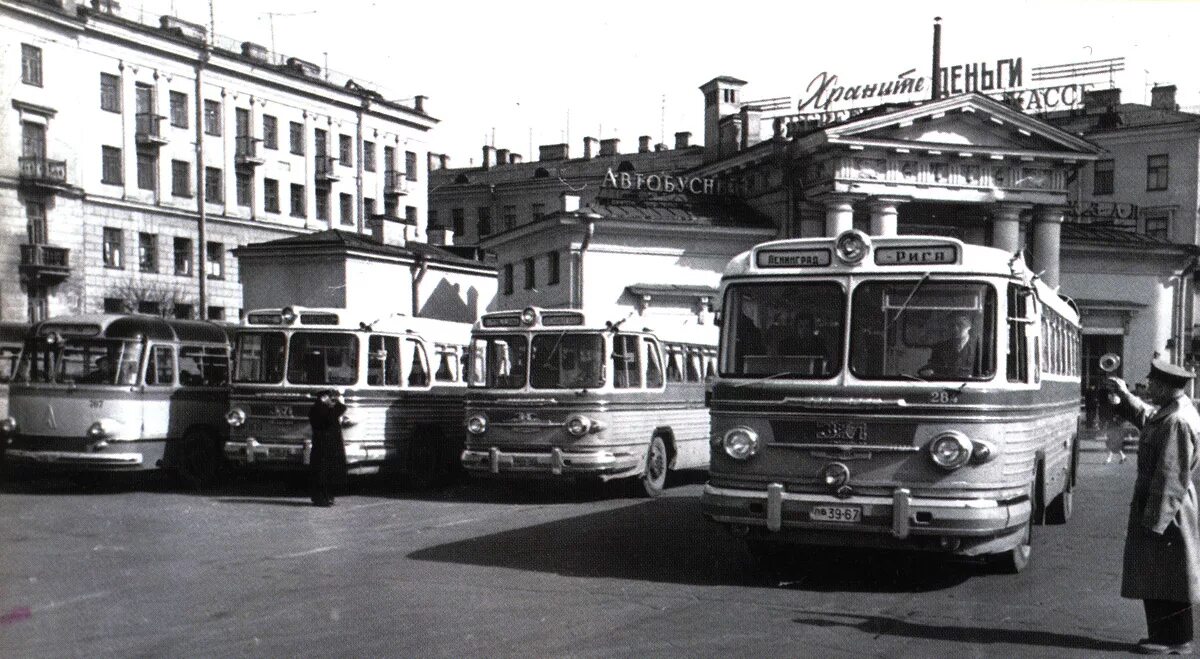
(667, 541)
(974, 634)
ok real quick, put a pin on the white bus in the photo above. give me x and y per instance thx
(400, 377)
(120, 393)
(556, 394)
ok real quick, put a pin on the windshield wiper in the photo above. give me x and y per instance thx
(781, 374)
(911, 376)
(915, 288)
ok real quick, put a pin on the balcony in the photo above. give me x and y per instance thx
(41, 173)
(149, 129)
(247, 151)
(395, 183)
(44, 264)
(326, 170)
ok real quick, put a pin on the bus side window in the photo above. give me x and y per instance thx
(1019, 321)
(447, 365)
(710, 366)
(383, 365)
(418, 374)
(161, 369)
(674, 360)
(8, 362)
(203, 367)
(693, 365)
(627, 368)
(654, 374)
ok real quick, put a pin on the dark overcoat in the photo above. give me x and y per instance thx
(1162, 541)
(327, 461)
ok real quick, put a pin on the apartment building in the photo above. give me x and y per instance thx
(134, 159)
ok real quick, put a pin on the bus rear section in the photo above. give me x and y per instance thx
(401, 380)
(924, 396)
(554, 396)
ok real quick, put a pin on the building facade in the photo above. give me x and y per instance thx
(134, 159)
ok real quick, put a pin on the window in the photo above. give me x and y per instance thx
(391, 205)
(270, 137)
(552, 268)
(346, 201)
(567, 360)
(110, 92)
(795, 329)
(322, 204)
(346, 150)
(114, 246)
(369, 156)
(114, 305)
(216, 313)
(654, 372)
(204, 366)
(110, 166)
(241, 126)
(245, 188)
(147, 170)
(383, 361)
(179, 109)
(296, 137)
(214, 255)
(1020, 317)
(214, 190)
(368, 207)
(538, 211)
(510, 217)
(160, 368)
(212, 117)
(410, 165)
(410, 215)
(1158, 224)
(508, 279)
(530, 273)
(298, 205)
(148, 252)
(183, 257)
(35, 217)
(323, 358)
(484, 214)
(626, 362)
(459, 218)
(270, 195)
(1157, 169)
(389, 159)
(31, 65)
(447, 370)
(1102, 183)
(148, 307)
(432, 219)
(184, 311)
(418, 371)
(181, 178)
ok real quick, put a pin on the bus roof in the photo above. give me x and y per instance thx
(879, 255)
(667, 328)
(338, 319)
(132, 326)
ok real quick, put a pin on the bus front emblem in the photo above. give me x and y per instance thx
(843, 431)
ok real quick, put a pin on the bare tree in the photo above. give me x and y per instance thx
(153, 297)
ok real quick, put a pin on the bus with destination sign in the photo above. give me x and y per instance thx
(907, 392)
(400, 377)
(555, 393)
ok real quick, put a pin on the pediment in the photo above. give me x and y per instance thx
(968, 122)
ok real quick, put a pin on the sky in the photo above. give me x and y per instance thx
(522, 73)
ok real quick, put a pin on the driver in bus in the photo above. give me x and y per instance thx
(955, 356)
(102, 372)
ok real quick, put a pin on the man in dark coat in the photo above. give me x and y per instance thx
(957, 355)
(1162, 542)
(327, 460)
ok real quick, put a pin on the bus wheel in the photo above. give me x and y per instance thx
(1016, 559)
(1060, 509)
(654, 476)
(198, 463)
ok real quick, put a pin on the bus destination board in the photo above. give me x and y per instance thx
(794, 258)
(916, 255)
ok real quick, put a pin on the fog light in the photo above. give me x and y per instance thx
(740, 443)
(235, 417)
(950, 450)
(578, 425)
(835, 474)
(476, 424)
(8, 426)
(98, 430)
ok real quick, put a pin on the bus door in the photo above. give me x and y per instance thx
(158, 393)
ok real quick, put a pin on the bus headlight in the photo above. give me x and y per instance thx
(102, 429)
(578, 425)
(8, 426)
(740, 443)
(477, 424)
(236, 418)
(950, 450)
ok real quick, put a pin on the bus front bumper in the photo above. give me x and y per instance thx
(114, 461)
(250, 452)
(966, 526)
(555, 462)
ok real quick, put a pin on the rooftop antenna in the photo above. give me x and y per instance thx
(212, 23)
(271, 22)
(662, 121)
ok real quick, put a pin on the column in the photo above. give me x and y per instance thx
(1006, 226)
(884, 215)
(839, 215)
(1047, 239)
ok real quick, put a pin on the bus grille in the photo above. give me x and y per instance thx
(841, 433)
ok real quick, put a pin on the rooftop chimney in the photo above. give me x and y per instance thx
(660, 147)
(644, 144)
(443, 161)
(419, 103)
(610, 147)
(255, 51)
(441, 236)
(554, 152)
(388, 230)
(515, 158)
(501, 156)
(1101, 98)
(682, 138)
(105, 6)
(432, 163)
(590, 144)
(1162, 97)
(489, 156)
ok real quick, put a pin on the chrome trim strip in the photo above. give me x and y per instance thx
(927, 502)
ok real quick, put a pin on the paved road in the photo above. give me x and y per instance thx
(135, 569)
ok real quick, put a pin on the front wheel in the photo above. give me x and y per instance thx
(1061, 507)
(1015, 560)
(654, 475)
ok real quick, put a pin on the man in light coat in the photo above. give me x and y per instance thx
(1162, 542)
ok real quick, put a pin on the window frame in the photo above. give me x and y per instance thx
(1104, 180)
(31, 65)
(178, 108)
(212, 117)
(111, 165)
(113, 248)
(1158, 173)
(110, 92)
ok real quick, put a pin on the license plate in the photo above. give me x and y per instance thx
(276, 452)
(845, 514)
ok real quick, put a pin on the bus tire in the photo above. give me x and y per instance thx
(654, 472)
(1015, 560)
(1060, 509)
(198, 459)
(426, 466)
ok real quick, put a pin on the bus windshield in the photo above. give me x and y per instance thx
(322, 358)
(499, 361)
(259, 357)
(923, 330)
(791, 329)
(74, 360)
(566, 361)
